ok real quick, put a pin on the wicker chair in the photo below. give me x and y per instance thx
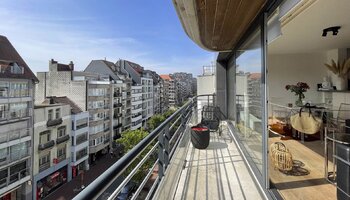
(281, 157)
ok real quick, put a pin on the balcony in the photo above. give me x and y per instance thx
(117, 115)
(61, 158)
(14, 135)
(46, 145)
(62, 139)
(117, 94)
(14, 157)
(44, 166)
(179, 170)
(118, 126)
(81, 155)
(14, 114)
(17, 176)
(117, 105)
(54, 122)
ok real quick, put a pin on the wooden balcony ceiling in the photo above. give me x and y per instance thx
(217, 25)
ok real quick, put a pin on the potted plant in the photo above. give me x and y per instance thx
(341, 71)
(299, 90)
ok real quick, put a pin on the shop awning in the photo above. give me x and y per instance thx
(217, 25)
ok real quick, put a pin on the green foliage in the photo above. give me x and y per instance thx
(129, 140)
(169, 112)
(155, 121)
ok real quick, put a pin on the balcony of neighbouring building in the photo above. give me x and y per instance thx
(54, 122)
(117, 115)
(10, 115)
(19, 134)
(180, 171)
(44, 166)
(14, 157)
(46, 145)
(62, 139)
(22, 175)
(117, 126)
(117, 94)
(61, 158)
(117, 105)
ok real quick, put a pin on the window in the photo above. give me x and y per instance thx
(3, 111)
(50, 115)
(19, 151)
(248, 98)
(4, 88)
(15, 69)
(44, 159)
(3, 154)
(58, 113)
(82, 123)
(81, 138)
(61, 152)
(61, 131)
(82, 153)
(45, 137)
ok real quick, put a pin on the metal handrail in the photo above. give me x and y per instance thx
(96, 188)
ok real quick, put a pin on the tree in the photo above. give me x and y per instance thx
(155, 121)
(129, 140)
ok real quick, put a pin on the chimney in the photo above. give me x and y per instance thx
(71, 65)
(52, 65)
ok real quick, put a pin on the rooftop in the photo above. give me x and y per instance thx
(8, 54)
(165, 77)
(65, 100)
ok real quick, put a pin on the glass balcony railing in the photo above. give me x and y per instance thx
(4, 182)
(14, 114)
(155, 151)
(14, 157)
(14, 135)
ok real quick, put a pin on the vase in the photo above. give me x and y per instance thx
(299, 101)
(340, 83)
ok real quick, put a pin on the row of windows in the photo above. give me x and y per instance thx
(51, 115)
(97, 91)
(14, 152)
(13, 110)
(46, 136)
(13, 89)
(99, 140)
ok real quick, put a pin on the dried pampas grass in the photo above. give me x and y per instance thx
(339, 69)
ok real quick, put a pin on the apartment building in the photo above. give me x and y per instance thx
(121, 91)
(183, 86)
(157, 104)
(51, 148)
(142, 92)
(147, 96)
(170, 89)
(79, 135)
(16, 123)
(90, 92)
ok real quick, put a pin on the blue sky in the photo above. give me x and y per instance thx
(147, 32)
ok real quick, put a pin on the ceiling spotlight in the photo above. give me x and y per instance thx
(333, 29)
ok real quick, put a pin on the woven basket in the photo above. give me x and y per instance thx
(281, 157)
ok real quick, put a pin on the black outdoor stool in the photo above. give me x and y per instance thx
(211, 118)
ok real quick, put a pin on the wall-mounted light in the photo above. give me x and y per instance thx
(333, 29)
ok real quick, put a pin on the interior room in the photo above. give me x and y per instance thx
(301, 41)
